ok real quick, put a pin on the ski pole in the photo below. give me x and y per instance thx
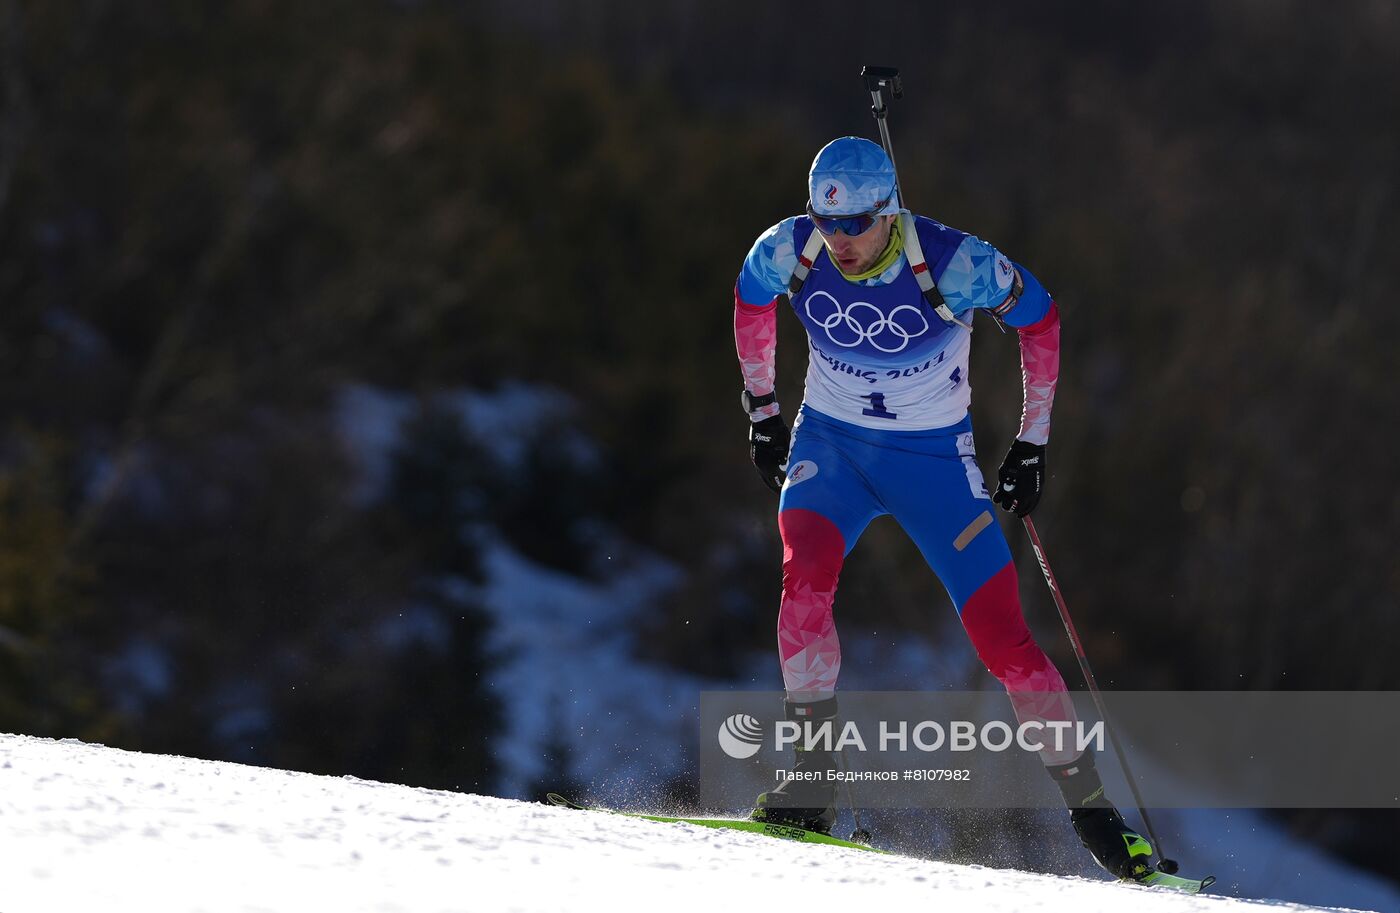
(1165, 865)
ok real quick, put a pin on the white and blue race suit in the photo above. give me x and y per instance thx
(879, 356)
(884, 429)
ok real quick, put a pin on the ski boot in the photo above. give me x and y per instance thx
(1117, 848)
(806, 803)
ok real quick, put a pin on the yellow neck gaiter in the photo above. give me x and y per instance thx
(885, 260)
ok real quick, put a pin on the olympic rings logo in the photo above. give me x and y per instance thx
(864, 322)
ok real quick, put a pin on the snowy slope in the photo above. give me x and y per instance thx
(552, 633)
(83, 827)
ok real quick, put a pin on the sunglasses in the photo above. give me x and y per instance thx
(850, 226)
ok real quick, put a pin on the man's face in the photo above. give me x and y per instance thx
(857, 254)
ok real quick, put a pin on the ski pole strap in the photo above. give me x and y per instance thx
(914, 252)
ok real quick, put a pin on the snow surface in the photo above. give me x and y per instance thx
(567, 667)
(85, 827)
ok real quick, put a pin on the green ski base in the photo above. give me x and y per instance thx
(1174, 883)
(781, 831)
(1159, 880)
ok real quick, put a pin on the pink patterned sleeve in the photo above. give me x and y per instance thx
(1040, 369)
(756, 339)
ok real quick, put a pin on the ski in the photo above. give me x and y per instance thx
(1167, 882)
(780, 831)
(1159, 880)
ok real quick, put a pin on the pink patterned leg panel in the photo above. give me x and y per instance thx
(813, 551)
(993, 619)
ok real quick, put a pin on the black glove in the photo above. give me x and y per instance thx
(1021, 478)
(768, 448)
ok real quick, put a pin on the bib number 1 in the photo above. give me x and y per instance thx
(877, 407)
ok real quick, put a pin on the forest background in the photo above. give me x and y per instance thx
(222, 223)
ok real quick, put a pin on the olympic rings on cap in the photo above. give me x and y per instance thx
(862, 321)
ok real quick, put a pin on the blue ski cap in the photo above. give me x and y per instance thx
(850, 176)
